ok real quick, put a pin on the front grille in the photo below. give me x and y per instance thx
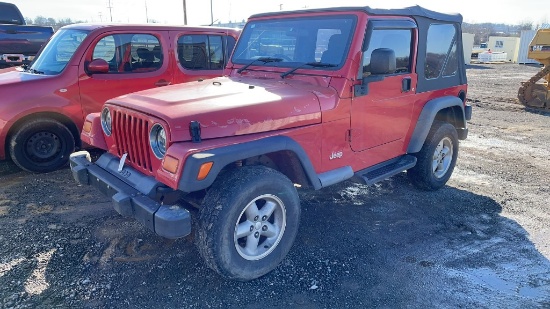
(131, 135)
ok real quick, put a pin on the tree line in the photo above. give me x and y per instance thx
(52, 22)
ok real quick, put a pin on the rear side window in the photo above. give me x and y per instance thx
(441, 54)
(204, 52)
(130, 53)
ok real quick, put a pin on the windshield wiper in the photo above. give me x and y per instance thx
(261, 59)
(34, 71)
(311, 64)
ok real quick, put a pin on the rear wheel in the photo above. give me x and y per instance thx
(41, 145)
(248, 222)
(437, 158)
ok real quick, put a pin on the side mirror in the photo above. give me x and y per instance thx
(98, 66)
(382, 61)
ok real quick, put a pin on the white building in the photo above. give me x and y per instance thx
(467, 46)
(508, 45)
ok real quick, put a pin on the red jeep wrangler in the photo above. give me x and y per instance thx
(313, 98)
(43, 108)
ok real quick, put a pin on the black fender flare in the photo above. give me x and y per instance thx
(223, 156)
(427, 117)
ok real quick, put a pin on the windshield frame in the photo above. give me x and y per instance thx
(47, 62)
(345, 22)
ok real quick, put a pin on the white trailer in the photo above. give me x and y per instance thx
(503, 44)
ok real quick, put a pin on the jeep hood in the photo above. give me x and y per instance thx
(227, 106)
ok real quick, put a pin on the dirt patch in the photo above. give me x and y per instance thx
(480, 242)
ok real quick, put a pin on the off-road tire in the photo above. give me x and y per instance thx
(222, 212)
(427, 174)
(41, 145)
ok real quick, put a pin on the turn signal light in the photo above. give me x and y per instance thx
(170, 164)
(204, 170)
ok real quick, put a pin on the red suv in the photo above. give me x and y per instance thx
(82, 66)
(313, 98)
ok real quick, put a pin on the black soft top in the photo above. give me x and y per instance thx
(412, 11)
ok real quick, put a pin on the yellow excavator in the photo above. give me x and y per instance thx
(533, 93)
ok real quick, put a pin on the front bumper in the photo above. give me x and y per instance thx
(136, 200)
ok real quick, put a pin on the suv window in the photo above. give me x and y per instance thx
(441, 51)
(130, 53)
(399, 40)
(203, 52)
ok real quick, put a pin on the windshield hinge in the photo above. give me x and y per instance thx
(195, 131)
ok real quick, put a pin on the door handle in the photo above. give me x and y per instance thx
(162, 82)
(406, 84)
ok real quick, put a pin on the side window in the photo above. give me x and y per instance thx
(441, 51)
(105, 49)
(202, 52)
(130, 53)
(398, 40)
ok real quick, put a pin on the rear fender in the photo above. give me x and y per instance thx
(449, 108)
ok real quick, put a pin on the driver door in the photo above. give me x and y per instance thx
(382, 106)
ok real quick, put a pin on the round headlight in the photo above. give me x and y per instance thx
(106, 121)
(157, 139)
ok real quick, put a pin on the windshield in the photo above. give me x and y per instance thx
(57, 53)
(296, 41)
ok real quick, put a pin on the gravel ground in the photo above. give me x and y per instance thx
(480, 242)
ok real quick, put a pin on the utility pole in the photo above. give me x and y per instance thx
(101, 19)
(146, 16)
(184, 13)
(110, 11)
(211, 14)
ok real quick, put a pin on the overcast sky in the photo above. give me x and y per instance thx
(198, 11)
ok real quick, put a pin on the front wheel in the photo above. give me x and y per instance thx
(248, 222)
(41, 145)
(437, 158)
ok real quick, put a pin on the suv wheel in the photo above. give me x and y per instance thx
(41, 145)
(248, 222)
(436, 159)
